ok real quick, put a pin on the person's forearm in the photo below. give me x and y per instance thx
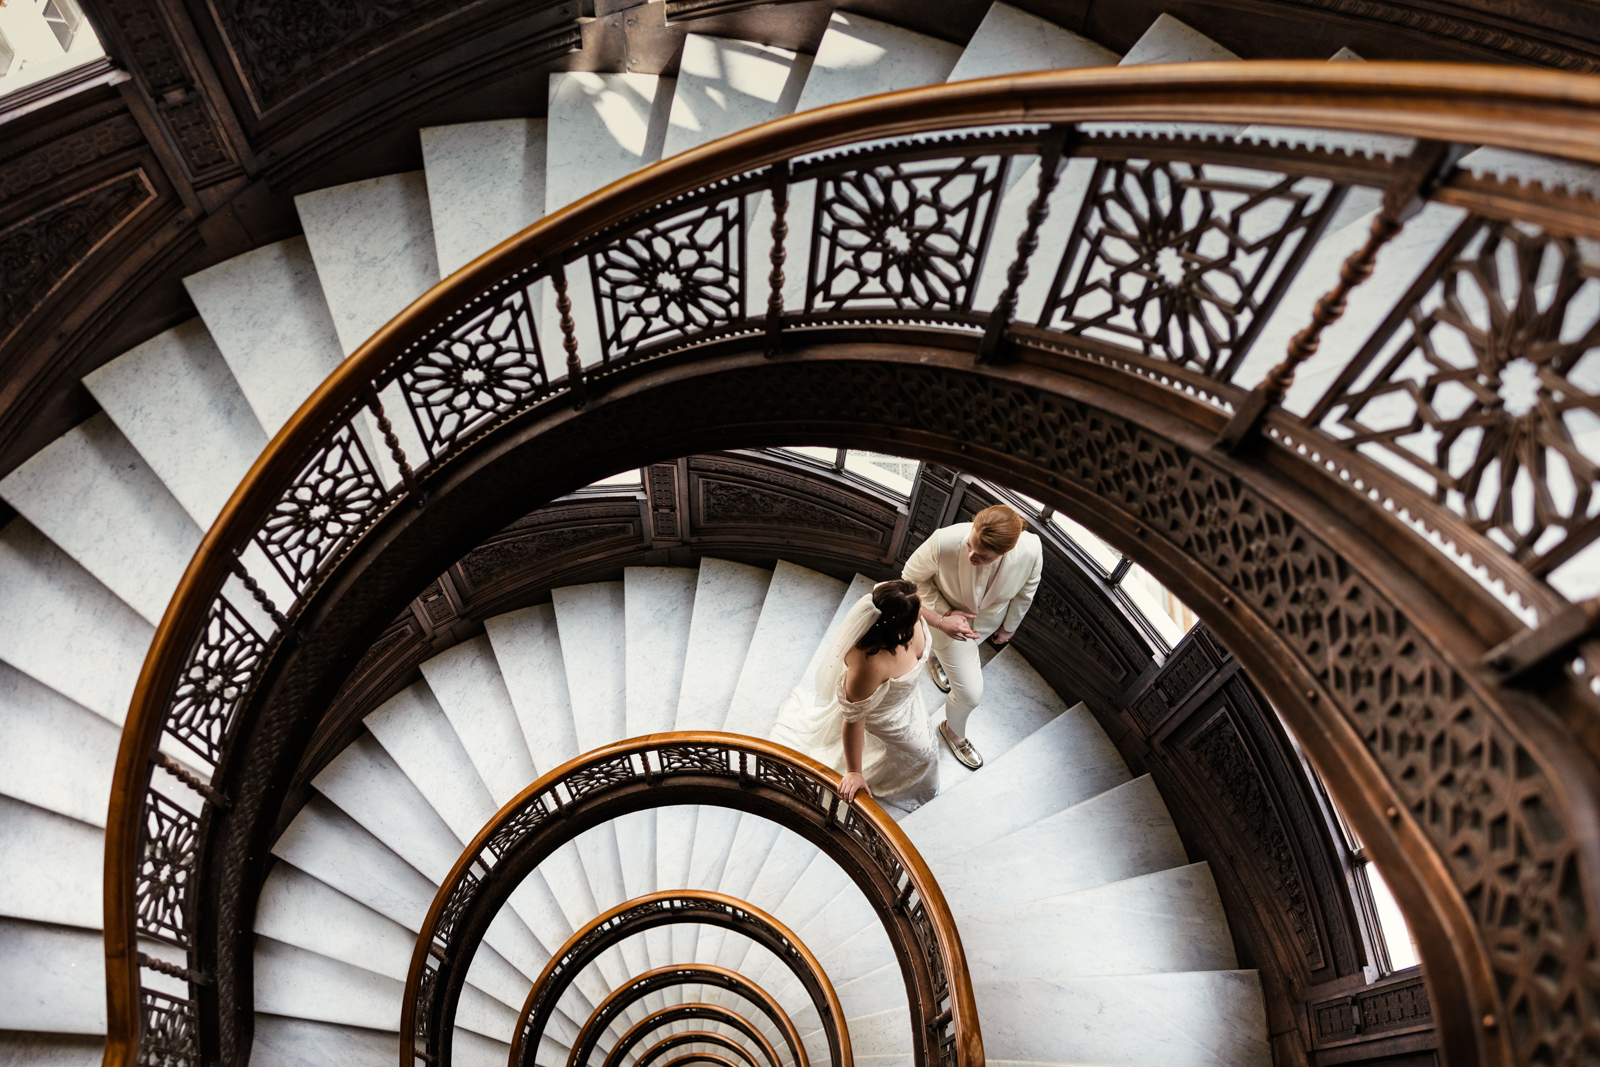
(855, 734)
(932, 615)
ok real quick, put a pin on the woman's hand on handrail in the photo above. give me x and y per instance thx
(851, 784)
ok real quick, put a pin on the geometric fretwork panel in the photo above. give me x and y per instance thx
(678, 276)
(1486, 389)
(334, 496)
(1489, 809)
(907, 235)
(166, 872)
(1184, 262)
(486, 366)
(212, 687)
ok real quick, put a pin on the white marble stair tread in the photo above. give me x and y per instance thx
(527, 646)
(1011, 41)
(882, 1034)
(674, 846)
(727, 608)
(60, 755)
(49, 867)
(1191, 1019)
(52, 978)
(859, 956)
(93, 494)
(176, 400)
(753, 843)
(283, 1041)
(1017, 702)
(372, 242)
(266, 314)
(485, 184)
(298, 982)
(51, 1050)
(1557, 175)
(1121, 833)
(798, 608)
(590, 620)
(1067, 760)
(658, 610)
(58, 618)
(725, 86)
(1168, 921)
(602, 127)
(465, 679)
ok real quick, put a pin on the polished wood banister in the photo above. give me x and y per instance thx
(1526, 110)
(686, 974)
(691, 1037)
(830, 1009)
(682, 1013)
(700, 1057)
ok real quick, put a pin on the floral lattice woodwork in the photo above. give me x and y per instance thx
(907, 234)
(1185, 261)
(1484, 386)
(671, 278)
(213, 685)
(334, 497)
(166, 871)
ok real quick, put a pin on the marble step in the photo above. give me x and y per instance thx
(266, 314)
(798, 609)
(724, 86)
(1017, 702)
(176, 400)
(727, 609)
(1165, 922)
(59, 617)
(1192, 1019)
(52, 978)
(60, 755)
(1119, 834)
(49, 867)
(485, 184)
(527, 648)
(1066, 761)
(98, 500)
(658, 609)
(51, 1050)
(1011, 41)
(602, 127)
(281, 1041)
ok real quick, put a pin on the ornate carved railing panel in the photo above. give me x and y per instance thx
(693, 768)
(629, 993)
(1121, 426)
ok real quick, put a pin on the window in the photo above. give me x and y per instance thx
(63, 18)
(891, 472)
(625, 479)
(1096, 549)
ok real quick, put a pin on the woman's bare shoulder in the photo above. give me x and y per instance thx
(863, 674)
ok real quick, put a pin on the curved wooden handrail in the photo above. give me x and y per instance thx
(629, 993)
(660, 909)
(701, 1057)
(683, 1013)
(690, 1037)
(1528, 110)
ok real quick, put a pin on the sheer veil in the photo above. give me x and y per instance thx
(856, 623)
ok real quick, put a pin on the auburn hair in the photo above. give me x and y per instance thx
(997, 528)
(899, 606)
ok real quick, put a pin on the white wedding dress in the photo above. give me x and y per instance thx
(899, 757)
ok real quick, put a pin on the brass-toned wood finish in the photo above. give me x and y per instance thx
(683, 1013)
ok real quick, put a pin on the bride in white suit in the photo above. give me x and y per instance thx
(866, 718)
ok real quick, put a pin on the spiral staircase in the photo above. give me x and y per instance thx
(1091, 939)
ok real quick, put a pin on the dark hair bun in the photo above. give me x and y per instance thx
(899, 606)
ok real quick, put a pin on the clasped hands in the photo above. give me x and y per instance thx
(958, 625)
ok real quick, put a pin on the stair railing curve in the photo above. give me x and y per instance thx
(634, 990)
(701, 1057)
(587, 945)
(684, 1013)
(691, 1037)
(319, 495)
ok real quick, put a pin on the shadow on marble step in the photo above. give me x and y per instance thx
(725, 86)
(50, 866)
(1164, 922)
(51, 1050)
(1122, 833)
(52, 978)
(1016, 702)
(287, 1041)
(61, 755)
(1011, 41)
(1194, 1019)
(527, 646)
(798, 608)
(1067, 760)
(601, 127)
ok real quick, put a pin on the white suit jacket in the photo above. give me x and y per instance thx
(945, 578)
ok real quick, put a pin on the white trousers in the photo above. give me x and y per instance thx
(965, 671)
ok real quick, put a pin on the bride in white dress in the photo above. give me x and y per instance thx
(866, 718)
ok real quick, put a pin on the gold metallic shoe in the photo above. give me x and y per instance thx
(962, 750)
(940, 679)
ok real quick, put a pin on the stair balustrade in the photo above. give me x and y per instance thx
(684, 1013)
(726, 770)
(690, 1037)
(1182, 245)
(631, 992)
